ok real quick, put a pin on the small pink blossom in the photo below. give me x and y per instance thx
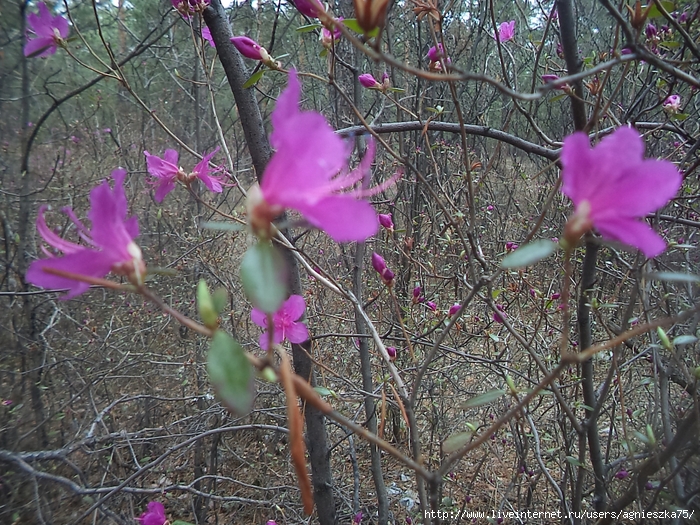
(391, 351)
(622, 474)
(385, 221)
(511, 246)
(166, 173)
(357, 519)
(500, 315)
(506, 31)
(308, 173)
(155, 515)
(435, 53)
(328, 37)
(368, 81)
(50, 32)
(612, 187)
(206, 35)
(431, 306)
(109, 245)
(286, 322)
(672, 104)
(249, 48)
(454, 309)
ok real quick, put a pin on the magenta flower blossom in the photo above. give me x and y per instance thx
(357, 519)
(391, 351)
(435, 53)
(385, 221)
(622, 474)
(284, 321)
(379, 264)
(454, 309)
(612, 187)
(505, 31)
(328, 36)
(166, 172)
(672, 104)
(206, 35)
(155, 515)
(49, 31)
(650, 31)
(309, 8)
(308, 173)
(368, 81)
(250, 48)
(431, 306)
(109, 246)
(500, 314)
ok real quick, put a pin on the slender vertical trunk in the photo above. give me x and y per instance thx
(259, 148)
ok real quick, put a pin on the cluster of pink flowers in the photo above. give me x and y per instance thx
(435, 55)
(166, 172)
(50, 32)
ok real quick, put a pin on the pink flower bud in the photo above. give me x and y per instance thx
(368, 81)
(431, 305)
(435, 53)
(385, 221)
(392, 353)
(500, 315)
(379, 264)
(672, 104)
(454, 309)
(249, 48)
(622, 474)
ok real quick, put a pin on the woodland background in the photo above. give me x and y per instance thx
(105, 399)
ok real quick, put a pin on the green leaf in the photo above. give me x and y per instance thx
(308, 28)
(529, 254)
(180, 522)
(323, 53)
(680, 116)
(673, 277)
(560, 96)
(222, 226)
(205, 305)
(231, 373)
(495, 338)
(264, 277)
(684, 340)
(483, 399)
(654, 12)
(351, 23)
(574, 461)
(219, 299)
(254, 78)
(323, 391)
(456, 441)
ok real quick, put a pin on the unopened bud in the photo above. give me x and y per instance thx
(370, 14)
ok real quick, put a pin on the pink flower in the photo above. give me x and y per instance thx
(50, 32)
(166, 172)
(109, 246)
(391, 351)
(506, 31)
(155, 515)
(358, 517)
(328, 36)
(308, 173)
(385, 221)
(612, 187)
(431, 305)
(435, 53)
(206, 35)
(672, 104)
(379, 264)
(250, 48)
(500, 315)
(622, 474)
(308, 8)
(284, 321)
(368, 81)
(454, 309)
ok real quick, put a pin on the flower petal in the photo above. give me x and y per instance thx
(342, 217)
(259, 317)
(634, 233)
(294, 307)
(85, 262)
(165, 168)
(297, 333)
(40, 47)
